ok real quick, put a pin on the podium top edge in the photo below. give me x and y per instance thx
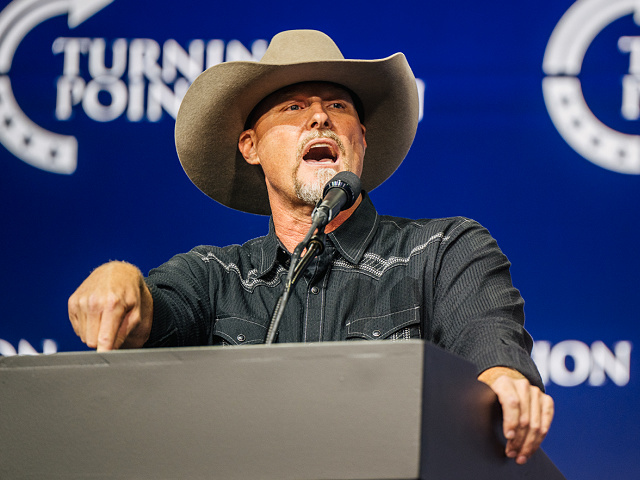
(190, 354)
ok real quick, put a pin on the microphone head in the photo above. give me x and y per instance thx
(347, 181)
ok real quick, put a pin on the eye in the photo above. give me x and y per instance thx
(337, 105)
(293, 107)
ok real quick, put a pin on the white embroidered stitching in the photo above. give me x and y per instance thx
(376, 265)
(404, 334)
(252, 280)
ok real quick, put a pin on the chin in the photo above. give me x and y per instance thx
(310, 190)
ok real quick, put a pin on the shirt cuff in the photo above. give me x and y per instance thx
(163, 331)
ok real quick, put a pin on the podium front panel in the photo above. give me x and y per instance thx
(314, 411)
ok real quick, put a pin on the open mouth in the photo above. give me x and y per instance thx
(321, 152)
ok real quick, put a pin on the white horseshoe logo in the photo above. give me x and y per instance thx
(562, 90)
(36, 146)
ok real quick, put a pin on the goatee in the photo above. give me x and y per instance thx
(311, 193)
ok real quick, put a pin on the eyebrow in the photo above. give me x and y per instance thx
(286, 93)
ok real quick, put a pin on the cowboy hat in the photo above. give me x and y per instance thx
(214, 111)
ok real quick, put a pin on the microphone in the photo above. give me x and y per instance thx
(340, 193)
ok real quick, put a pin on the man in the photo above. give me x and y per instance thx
(264, 137)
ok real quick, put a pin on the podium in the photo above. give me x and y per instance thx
(343, 410)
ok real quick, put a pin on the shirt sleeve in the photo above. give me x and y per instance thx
(182, 306)
(476, 311)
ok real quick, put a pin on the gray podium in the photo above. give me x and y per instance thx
(352, 410)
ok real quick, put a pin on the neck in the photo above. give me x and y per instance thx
(292, 224)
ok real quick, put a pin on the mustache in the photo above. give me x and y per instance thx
(319, 134)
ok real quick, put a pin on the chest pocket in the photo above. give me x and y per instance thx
(238, 331)
(401, 325)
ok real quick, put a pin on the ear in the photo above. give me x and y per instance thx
(364, 131)
(247, 145)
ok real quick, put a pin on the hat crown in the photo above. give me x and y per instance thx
(300, 46)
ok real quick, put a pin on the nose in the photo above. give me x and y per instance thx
(318, 117)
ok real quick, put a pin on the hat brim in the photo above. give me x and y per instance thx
(215, 108)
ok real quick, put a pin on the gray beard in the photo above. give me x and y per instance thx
(311, 193)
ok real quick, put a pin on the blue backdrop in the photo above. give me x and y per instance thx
(560, 195)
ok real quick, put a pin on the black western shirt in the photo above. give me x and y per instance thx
(380, 277)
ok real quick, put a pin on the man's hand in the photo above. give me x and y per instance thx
(526, 411)
(113, 308)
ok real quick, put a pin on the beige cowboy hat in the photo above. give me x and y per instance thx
(216, 106)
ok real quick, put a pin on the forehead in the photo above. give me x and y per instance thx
(324, 90)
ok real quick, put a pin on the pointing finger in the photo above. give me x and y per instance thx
(110, 322)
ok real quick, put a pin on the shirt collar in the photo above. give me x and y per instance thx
(269, 250)
(351, 239)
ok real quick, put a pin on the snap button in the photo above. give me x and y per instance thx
(315, 290)
(241, 338)
(377, 333)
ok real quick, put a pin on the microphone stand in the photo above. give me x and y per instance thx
(314, 245)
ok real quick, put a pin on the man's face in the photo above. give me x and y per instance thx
(304, 134)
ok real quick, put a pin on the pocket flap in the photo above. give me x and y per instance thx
(239, 331)
(383, 326)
